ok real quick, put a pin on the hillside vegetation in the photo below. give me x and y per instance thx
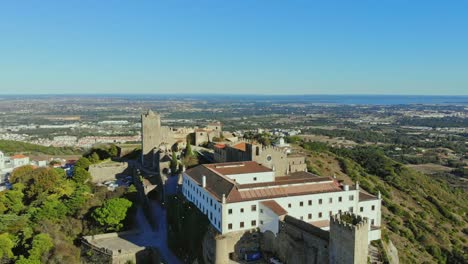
(424, 217)
(12, 147)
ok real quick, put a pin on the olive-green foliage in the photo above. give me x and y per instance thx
(81, 175)
(440, 204)
(10, 146)
(102, 152)
(111, 214)
(83, 162)
(6, 246)
(45, 206)
(12, 201)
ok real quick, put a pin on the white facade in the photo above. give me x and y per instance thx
(18, 162)
(204, 201)
(252, 213)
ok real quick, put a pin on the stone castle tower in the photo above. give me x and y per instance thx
(348, 239)
(150, 136)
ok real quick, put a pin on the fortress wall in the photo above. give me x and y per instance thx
(108, 171)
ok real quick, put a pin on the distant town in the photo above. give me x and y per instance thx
(213, 181)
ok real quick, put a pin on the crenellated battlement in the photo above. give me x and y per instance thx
(350, 221)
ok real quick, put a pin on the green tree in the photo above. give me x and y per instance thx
(174, 163)
(6, 246)
(111, 214)
(78, 199)
(41, 244)
(81, 175)
(22, 175)
(12, 200)
(83, 162)
(45, 181)
(52, 209)
(113, 151)
(94, 158)
(188, 149)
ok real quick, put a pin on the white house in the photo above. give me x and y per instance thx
(19, 160)
(238, 196)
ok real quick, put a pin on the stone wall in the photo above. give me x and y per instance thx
(108, 171)
(348, 239)
(297, 242)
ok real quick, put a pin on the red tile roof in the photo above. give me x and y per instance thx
(18, 156)
(241, 146)
(275, 207)
(229, 168)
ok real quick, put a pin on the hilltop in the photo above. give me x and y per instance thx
(423, 217)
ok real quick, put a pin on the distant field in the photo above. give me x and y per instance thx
(326, 139)
(430, 168)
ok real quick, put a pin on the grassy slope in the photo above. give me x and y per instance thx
(12, 147)
(420, 227)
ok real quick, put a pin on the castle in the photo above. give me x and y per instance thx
(275, 158)
(159, 143)
(334, 222)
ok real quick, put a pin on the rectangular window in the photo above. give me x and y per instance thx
(255, 178)
(373, 208)
(340, 199)
(330, 200)
(261, 222)
(309, 216)
(242, 210)
(310, 202)
(351, 197)
(372, 222)
(241, 224)
(254, 208)
(351, 209)
(330, 213)
(320, 215)
(361, 209)
(230, 211)
(289, 205)
(230, 226)
(320, 201)
(253, 223)
(261, 211)
(301, 204)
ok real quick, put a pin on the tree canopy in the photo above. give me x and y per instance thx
(111, 214)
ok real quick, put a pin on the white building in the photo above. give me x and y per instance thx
(240, 196)
(19, 160)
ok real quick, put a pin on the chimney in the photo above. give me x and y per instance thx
(357, 185)
(224, 199)
(379, 195)
(345, 187)
(204, 181)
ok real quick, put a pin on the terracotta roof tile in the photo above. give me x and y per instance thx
(229, 168)
(240, 146)
(275, 207)
(18, 156)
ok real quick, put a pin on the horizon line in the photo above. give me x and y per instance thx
(231, 94)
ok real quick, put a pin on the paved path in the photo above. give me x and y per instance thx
(155, 238)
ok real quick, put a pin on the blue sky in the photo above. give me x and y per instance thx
(234, 46)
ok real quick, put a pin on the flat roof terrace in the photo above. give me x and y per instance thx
(230, 168)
